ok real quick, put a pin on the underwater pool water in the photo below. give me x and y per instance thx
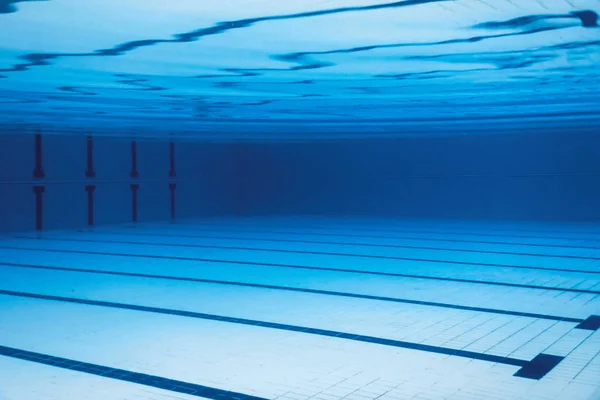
(298, 69)
(299, 199)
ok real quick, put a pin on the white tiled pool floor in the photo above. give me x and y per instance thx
(302, 308)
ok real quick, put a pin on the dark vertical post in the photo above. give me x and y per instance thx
(172, 172)
(134, 201)
(38, 172)
(90, 196)
(172, 187)
(89, 173)
(39, 216)
(241, 187)
(134, 171)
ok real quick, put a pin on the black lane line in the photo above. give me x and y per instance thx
(395, 246)
(539, 366)
(305, 290)
(203, 229)
(525, 364)
(492, 229)
(592, 323)
(171, 385)
(320, 253)
(427, 229)
(502, 233)
(262, 264)
(367, 229)
(134, 201)
(39, 190)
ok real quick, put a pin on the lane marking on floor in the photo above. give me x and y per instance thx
(579, 321)
(376, 245)
(307, 267)
(409, 231)
(532, 369)
(320, 253)
(171, 385)
(194, 228)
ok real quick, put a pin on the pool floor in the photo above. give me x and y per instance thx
(302, 308)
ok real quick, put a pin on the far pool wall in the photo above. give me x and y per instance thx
(202, 179)
(533, 177)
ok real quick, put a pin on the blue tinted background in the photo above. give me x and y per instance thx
(250, 69)
(456, 109)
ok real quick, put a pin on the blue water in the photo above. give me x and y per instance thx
(299, 200)
(299, 69)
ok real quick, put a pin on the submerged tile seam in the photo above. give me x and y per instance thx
(394, 246)
(321, 253)
(167, 227)
(532, 369)
(304, 290)
(171, 385)
(352, 271)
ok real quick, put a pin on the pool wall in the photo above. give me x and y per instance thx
(515, 177)
(202, 177)
(523, 177)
